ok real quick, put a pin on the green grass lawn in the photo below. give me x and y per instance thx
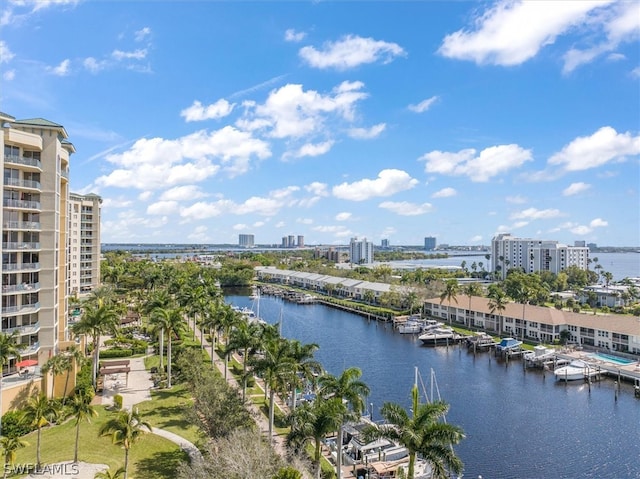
(166, 410)
(150, 458)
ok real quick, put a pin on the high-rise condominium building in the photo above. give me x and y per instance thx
(533, 255)
(429, 243)
(246, 241)
(360, 251)
(35, 195)
(300, 241)
(84, 243)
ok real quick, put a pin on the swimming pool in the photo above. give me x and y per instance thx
(612, 359)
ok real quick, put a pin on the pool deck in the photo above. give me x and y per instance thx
(629, 372)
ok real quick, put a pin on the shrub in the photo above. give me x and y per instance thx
(115, 353)
(117, 402)
(13, 426)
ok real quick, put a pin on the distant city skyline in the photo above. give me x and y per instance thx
(196, 122)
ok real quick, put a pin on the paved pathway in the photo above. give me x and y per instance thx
(136, 390)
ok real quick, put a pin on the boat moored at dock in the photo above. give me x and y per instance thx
(440, 335)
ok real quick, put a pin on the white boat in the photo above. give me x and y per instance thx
(480, 341)
(575, 370)
(508, 345)
(411, 326)
(439, 335)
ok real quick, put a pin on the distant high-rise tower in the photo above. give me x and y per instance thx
(84, 243)
(246, 241)
(291, 241)
(384, 243)
(360, 251)
(429, 243)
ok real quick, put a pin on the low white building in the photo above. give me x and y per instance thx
(615, 332)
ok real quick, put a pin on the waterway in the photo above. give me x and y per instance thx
(519, 425)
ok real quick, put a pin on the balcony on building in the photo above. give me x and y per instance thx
(27, 162)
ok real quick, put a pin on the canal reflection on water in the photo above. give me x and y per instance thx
(518, 424)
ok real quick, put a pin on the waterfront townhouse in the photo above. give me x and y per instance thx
(343, 287)
(614, 332)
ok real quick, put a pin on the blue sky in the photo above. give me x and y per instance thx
(197, 121)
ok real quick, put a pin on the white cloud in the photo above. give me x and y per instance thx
(475, 239)
(424, 105)
(163, 208)
(512, 32)
(293, 36)
(61, 70)
(139, 54)
(264, 206)
(516, 200)
(620, 23)
(240, 227)
(405, 208)
(304, 221)
(388, 182)
(142, 34)
(445, 193)
(291, 112)
(367, 133)
(8, 75)
(182, 193)
(575, 188)
(157, 163)
(93, 65)
(198, 112)
(490, 162)
(635, 73)
(535, 214)
(317, 188)
(349, 52)
(310, 149)
(344, 216)
(6, 55)
(586, 229)
(110, 202)
(604, 146)
(145, 195)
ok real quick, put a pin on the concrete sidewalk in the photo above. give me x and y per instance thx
(136, 389)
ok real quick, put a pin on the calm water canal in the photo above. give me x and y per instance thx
(518, 424)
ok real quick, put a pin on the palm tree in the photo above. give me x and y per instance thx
(125, 428)
(423, 433)
(158, 321)
(82, 410)
(450, 292)
(76, 358)
(96, 321)
(211, 323)
(173, 324)
(276, 367)
(39, 412)
(351, 392)
(117, 474)
(10, 347)
(10, 446)
(57, 365)
(306, 368)
(497, 302)
(244, 337)
(314, 421)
